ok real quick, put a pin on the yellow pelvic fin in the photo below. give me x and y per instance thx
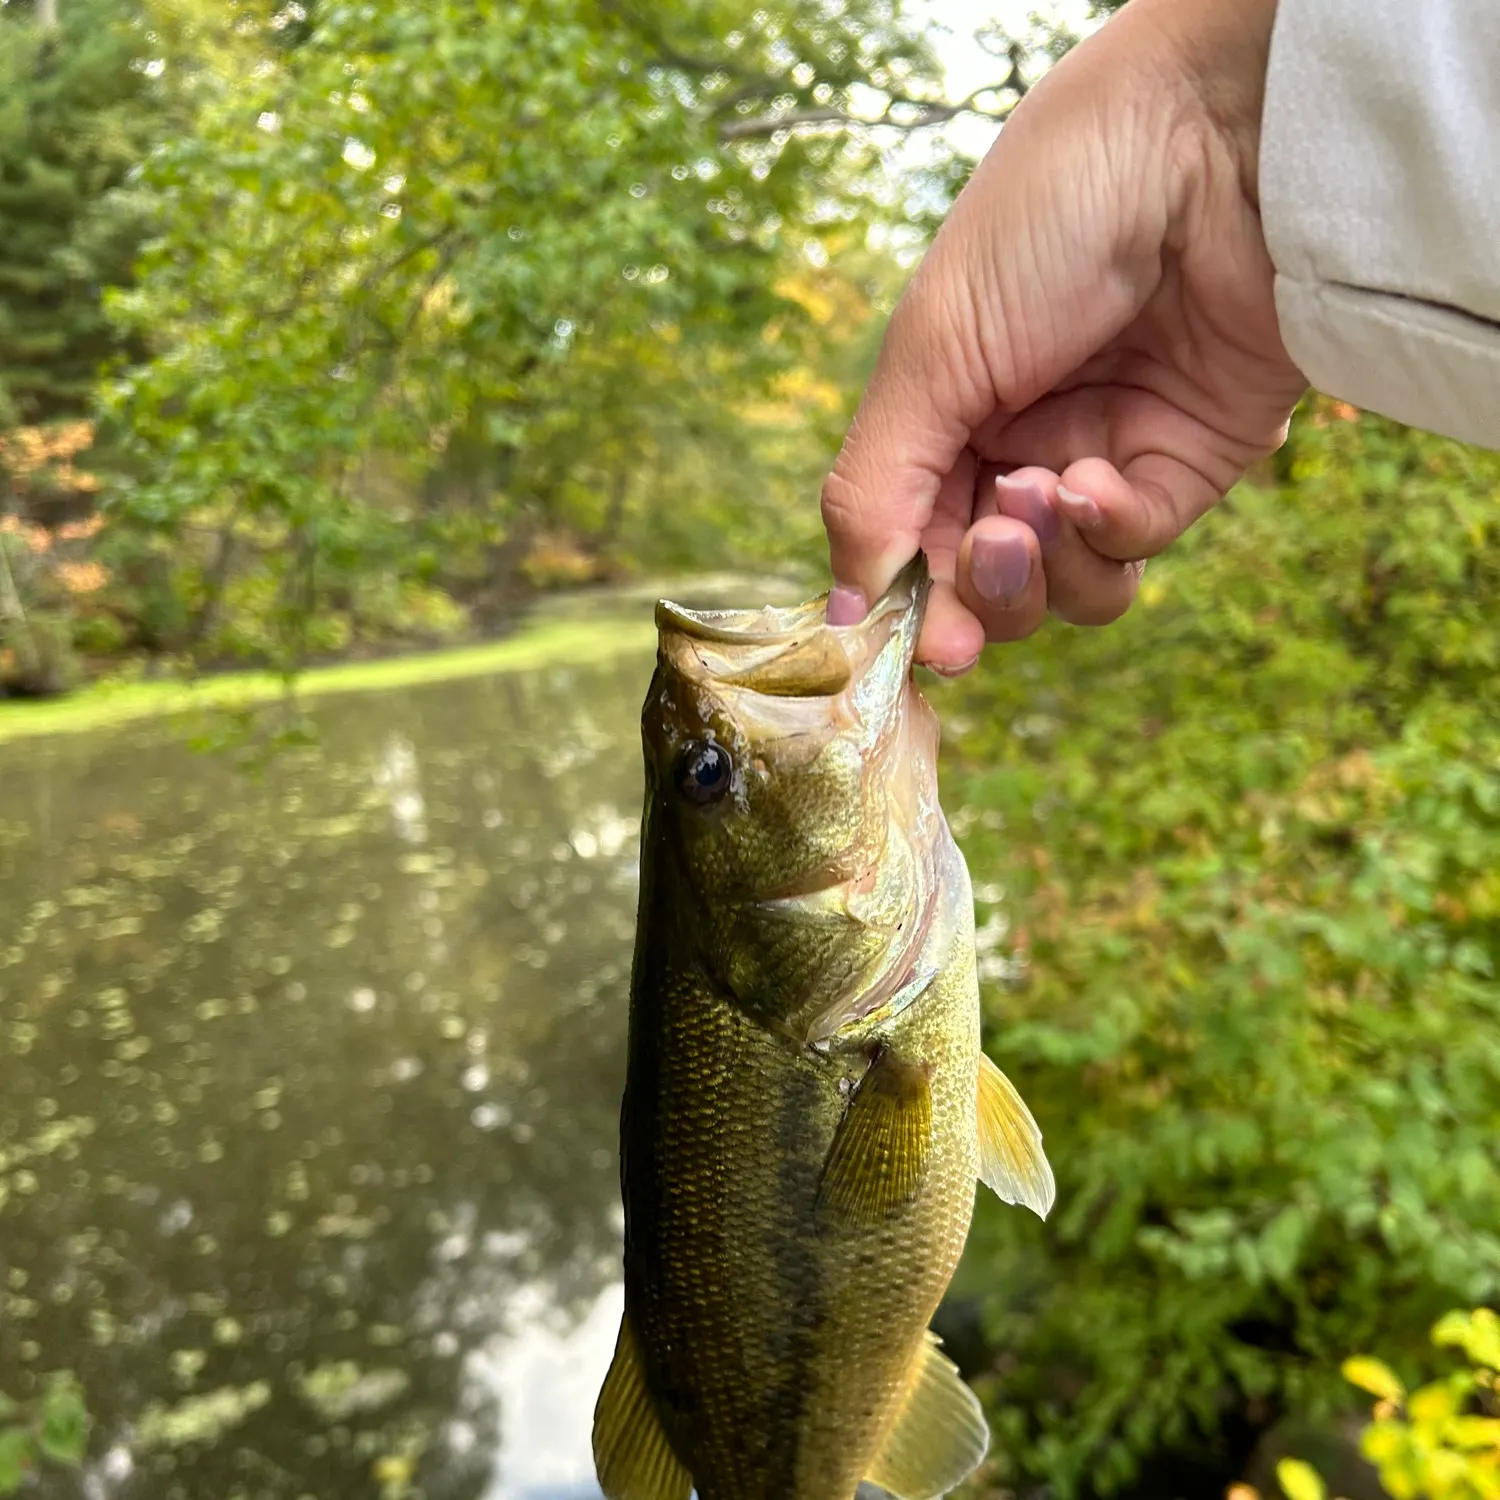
(939, 1436)
(1011, 1160)
(631, 1454)
(880, 1151)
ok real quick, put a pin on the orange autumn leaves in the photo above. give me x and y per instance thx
(36, 457)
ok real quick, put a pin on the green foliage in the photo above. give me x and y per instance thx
(75, 118)
(54, 1428)
(1250, 839)
(415, 309)
(437, 281)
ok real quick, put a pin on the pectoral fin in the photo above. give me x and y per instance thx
(880, 1151)
(1011, 1160)
(939, 1436)
(631, 1454)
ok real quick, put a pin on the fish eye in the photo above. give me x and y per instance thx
(704, 772)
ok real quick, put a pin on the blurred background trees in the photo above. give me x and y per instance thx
(401, 311)
(1249, 841)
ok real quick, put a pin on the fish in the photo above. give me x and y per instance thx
(807, 1106)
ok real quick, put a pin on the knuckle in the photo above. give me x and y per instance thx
(1102, 604)
(839, 503)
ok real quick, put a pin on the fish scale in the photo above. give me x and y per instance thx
(807, 1107)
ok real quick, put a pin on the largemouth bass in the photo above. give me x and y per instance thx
(807, 1108)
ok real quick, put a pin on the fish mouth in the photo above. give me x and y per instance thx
(794, 652)
(786, 676)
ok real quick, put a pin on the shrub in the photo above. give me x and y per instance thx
(1250, 841)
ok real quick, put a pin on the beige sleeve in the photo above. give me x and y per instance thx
(1380, 193)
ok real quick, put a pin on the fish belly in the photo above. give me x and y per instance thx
(777, 1338)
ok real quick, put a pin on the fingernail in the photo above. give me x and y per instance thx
(1025, 502)
(1079, 509)
(958, 671)
(846, 606)
(1000, 568)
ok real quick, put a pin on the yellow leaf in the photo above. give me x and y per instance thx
(1372, 1376)
(1445, 1471)
(1474, 1432)
(1299, 1481)
(1433, 1403)
(1478, 1333)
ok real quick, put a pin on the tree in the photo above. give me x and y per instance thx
(75, 118)
(492, 257)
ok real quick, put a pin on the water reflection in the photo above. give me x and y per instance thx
(309, 1092)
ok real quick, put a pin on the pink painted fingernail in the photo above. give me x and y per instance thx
(1079, 509)
(846, 606)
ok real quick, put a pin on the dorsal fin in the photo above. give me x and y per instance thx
(939, 1436)
(632, 1457)
(1011, 1160)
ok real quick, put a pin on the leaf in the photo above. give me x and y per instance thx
(1281, 1243)
(17, 1457)
(1373, 1376)
(1477, 1333)
(1299, 1481)
(1433, 1404)
(1474, 1432)
(65, 1423)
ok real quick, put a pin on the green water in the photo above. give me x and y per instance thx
(309, 1091)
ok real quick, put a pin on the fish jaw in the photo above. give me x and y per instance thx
(810, 877)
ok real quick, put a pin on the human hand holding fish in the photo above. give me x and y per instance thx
(1089, 355)
(807, 1107)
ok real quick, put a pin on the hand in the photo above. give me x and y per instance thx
(1088, 358)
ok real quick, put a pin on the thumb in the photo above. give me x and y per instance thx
(908, 433)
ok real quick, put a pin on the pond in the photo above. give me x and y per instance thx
(309, 1089)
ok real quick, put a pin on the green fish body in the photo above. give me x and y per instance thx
(807, 1108)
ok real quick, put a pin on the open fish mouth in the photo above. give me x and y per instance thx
(794, 652)
(788, 686)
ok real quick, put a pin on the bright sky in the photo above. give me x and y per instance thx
(952, 24)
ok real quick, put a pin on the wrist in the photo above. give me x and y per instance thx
(1224, 50)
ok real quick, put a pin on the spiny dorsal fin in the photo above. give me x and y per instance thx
(1011, 1160)
(939, 1436)
(880, 1151)
(631, 1454)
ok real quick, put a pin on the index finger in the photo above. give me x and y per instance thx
(912, 425)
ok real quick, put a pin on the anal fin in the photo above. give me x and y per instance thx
(879, 1153)
(632, 1457)
(1012, 1163)
(939, 1436)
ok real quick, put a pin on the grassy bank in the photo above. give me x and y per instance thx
(553, 642)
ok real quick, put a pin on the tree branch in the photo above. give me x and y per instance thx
(927, 113)
(753, 82)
